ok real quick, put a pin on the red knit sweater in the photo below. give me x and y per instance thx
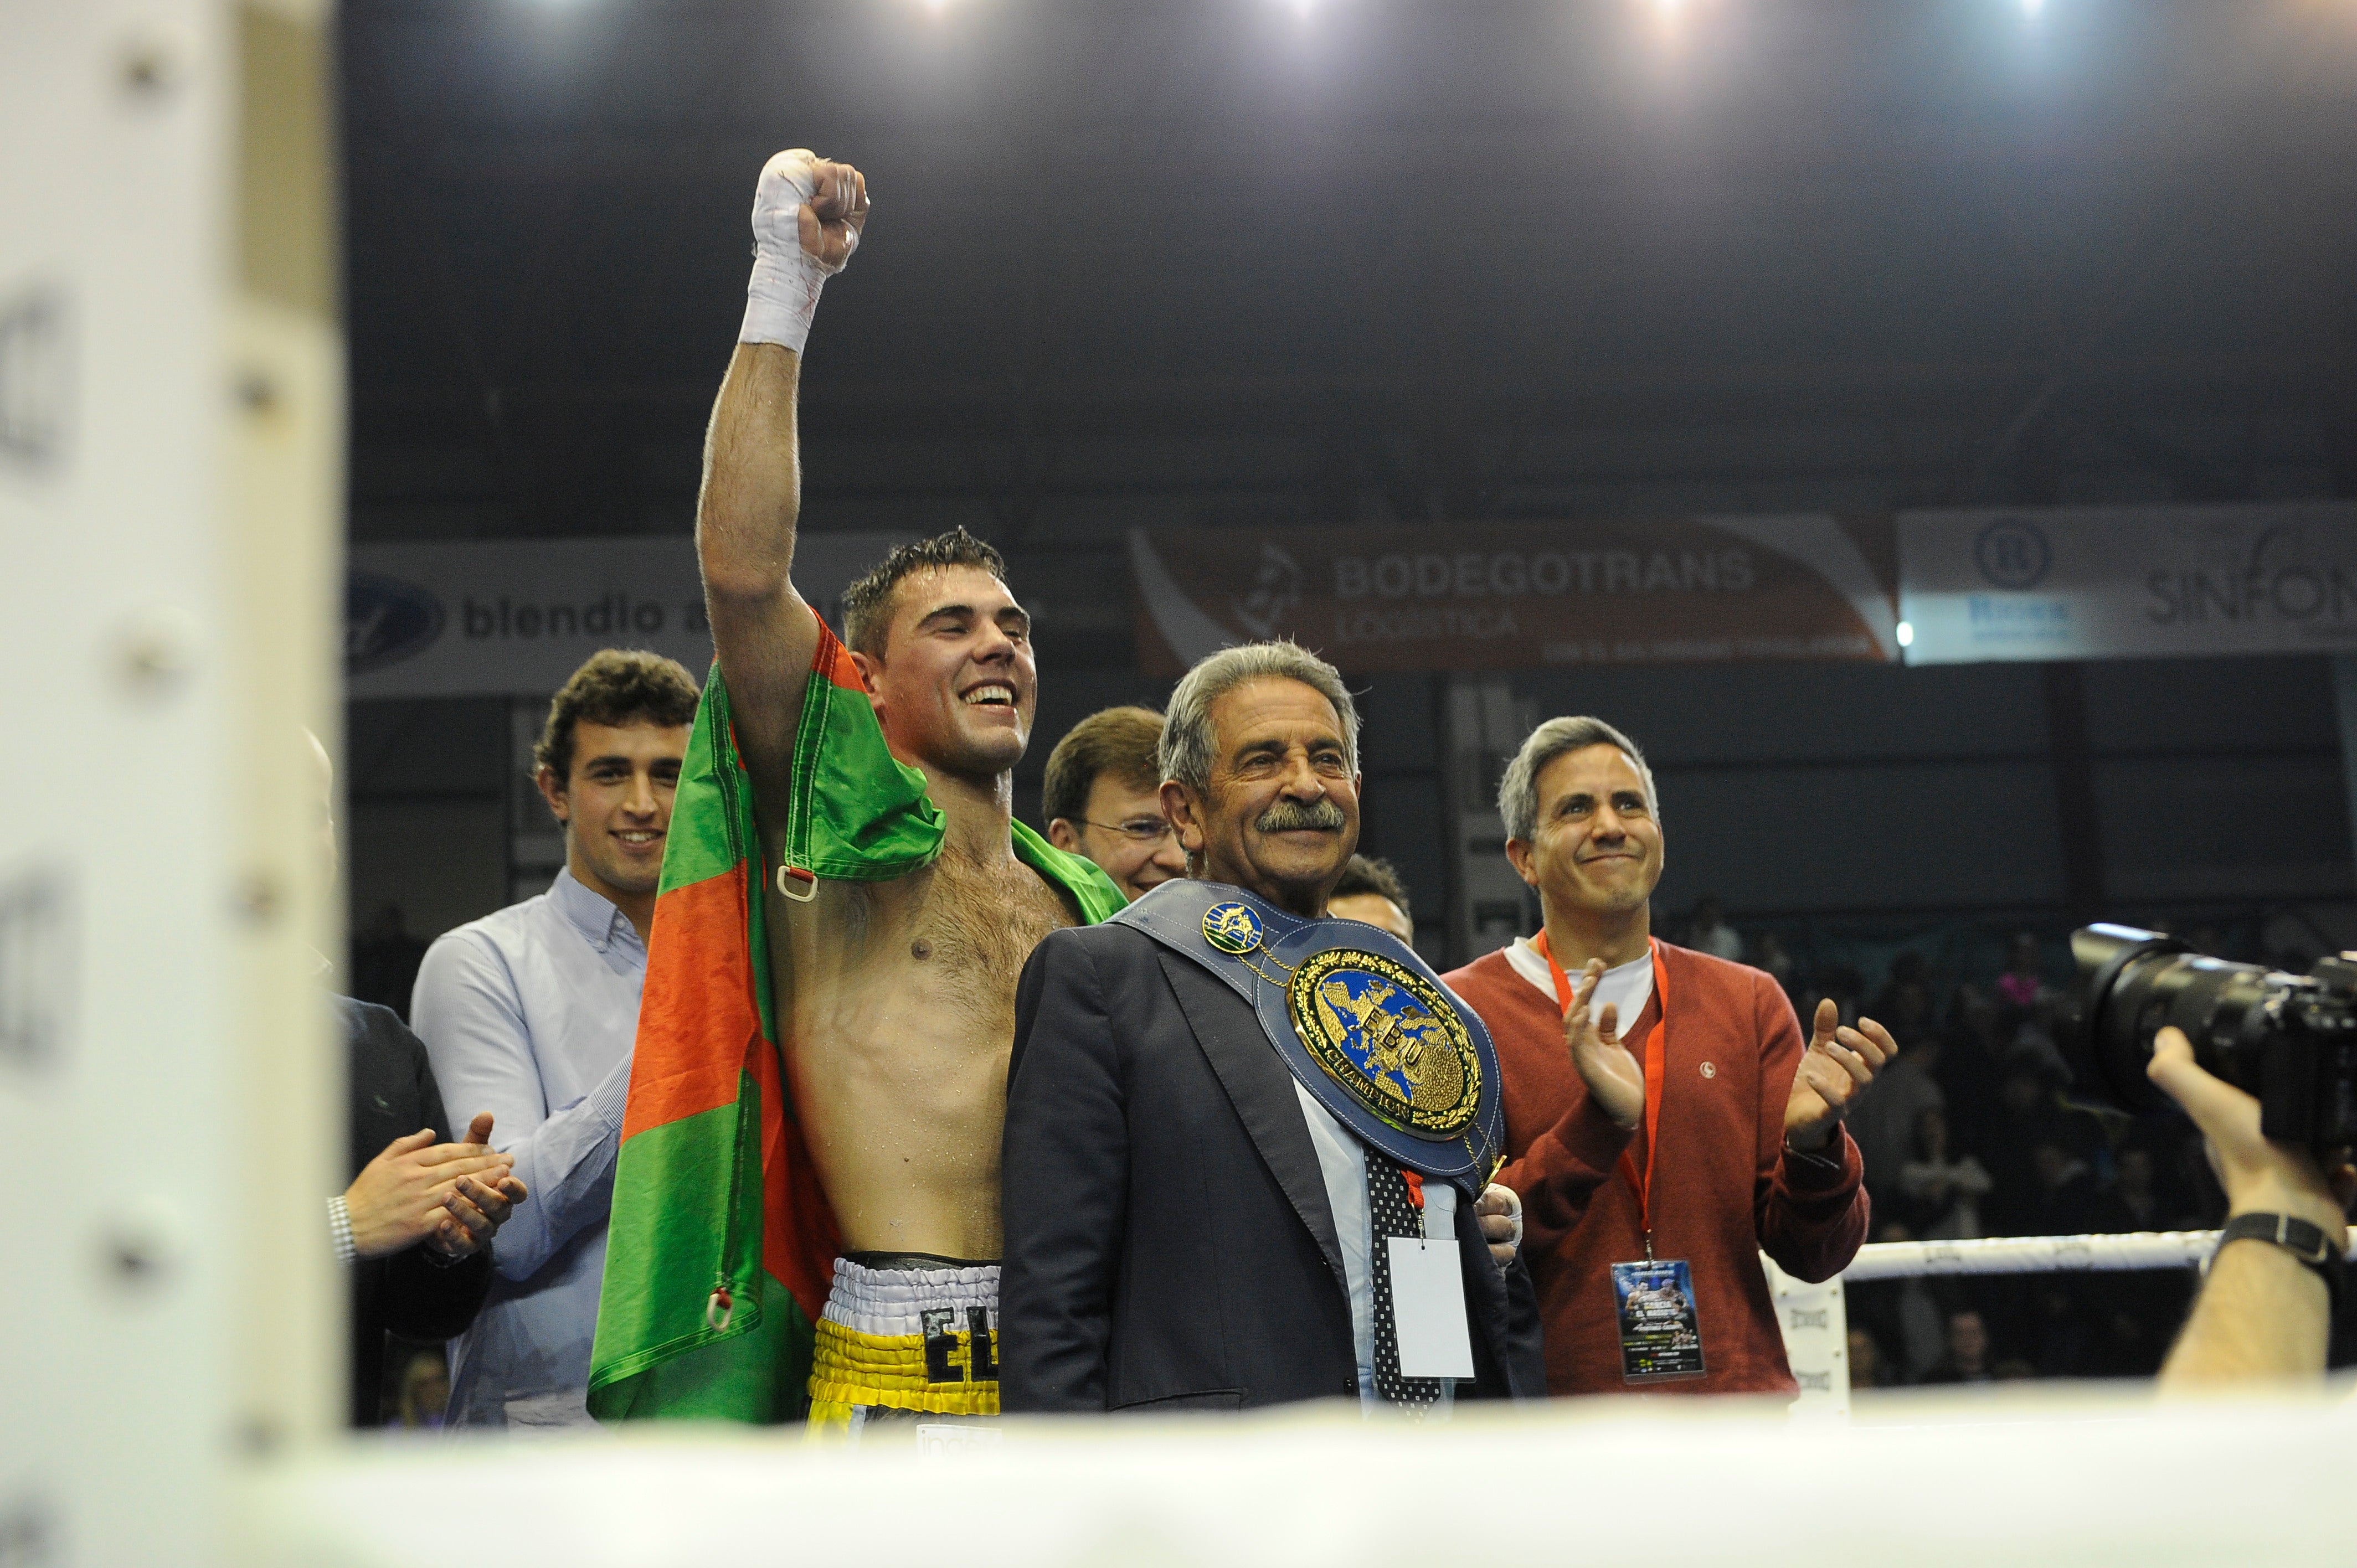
(1724, 1193)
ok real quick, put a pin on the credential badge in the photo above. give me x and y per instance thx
(1232, 929)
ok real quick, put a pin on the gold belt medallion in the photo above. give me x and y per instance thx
(1389, 1036)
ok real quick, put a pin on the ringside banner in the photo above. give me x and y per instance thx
(515, 617)
(2129, 582)
(1502, 596)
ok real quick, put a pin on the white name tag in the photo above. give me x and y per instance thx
(1428, 1308)
(936, 1438)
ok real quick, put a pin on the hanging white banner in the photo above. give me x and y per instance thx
(2128, 581)
(515, 617)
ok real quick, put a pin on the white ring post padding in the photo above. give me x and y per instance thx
(2032, 1255)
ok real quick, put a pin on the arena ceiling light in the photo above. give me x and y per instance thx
(1668, 16)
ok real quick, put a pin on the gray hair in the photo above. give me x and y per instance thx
(1518, 792)
(1186, 753)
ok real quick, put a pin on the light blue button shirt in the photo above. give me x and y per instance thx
(1343, 1164)
(530, 1015)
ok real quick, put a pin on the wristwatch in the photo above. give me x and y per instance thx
(2312, 1244)
(1827, 1156)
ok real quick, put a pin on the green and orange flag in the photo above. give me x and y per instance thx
(722, 1245)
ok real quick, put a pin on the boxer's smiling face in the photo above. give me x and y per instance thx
(1281, 816)
(957, 685)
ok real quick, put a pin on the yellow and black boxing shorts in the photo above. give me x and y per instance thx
(905, 1334)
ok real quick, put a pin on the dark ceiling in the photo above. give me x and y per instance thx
(1226, 262)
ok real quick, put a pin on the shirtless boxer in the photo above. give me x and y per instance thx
(899, 897)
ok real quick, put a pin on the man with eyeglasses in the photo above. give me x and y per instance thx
(1104, 800)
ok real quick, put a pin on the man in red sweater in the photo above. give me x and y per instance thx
(1656, 1161)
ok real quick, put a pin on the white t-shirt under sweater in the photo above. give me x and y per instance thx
(1627, 987)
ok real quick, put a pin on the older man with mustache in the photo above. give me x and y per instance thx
(1248, 1144)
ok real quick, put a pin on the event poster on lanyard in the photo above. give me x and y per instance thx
(1661, 1336)
(1653, 1298)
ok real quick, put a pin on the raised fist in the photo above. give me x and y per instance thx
(812, 204)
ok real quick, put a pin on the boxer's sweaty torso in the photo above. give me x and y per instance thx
(896, 1010)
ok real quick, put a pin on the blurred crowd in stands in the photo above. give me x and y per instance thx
(1971, 1133)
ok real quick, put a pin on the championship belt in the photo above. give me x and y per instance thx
(1361, 1020)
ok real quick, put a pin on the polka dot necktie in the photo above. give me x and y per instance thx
(1394, 1213)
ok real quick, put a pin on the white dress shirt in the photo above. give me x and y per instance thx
(529, 1014)
(1343, 1162)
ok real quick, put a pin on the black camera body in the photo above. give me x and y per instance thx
(2289, 1040)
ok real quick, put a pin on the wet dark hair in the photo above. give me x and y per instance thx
(867, 603)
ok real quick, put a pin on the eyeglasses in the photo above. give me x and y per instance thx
(1139, 831)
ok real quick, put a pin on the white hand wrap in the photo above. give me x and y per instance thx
(1513, 1211)
(782, 293)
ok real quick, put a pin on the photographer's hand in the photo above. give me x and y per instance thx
(2261, 1313)
(2259, 1176)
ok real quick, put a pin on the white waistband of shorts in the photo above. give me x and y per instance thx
(893, 1301)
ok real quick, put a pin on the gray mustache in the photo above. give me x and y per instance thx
(1290, 816)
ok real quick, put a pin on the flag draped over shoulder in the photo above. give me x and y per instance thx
(721, 1244)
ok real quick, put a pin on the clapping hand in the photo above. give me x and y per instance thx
(1838, 1063)
(1613, 1075)
(396, 1201)
(475, 1207)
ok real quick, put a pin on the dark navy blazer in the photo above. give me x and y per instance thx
(1169, 1244)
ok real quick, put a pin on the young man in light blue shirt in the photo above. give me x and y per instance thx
(529, 1014)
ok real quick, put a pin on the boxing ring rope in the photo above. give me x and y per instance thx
(2032, 1255)
(1814, 1318)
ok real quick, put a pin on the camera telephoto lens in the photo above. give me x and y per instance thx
(2288, 1039)
(2131, 984)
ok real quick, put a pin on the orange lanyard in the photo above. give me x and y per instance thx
(1656, 1053)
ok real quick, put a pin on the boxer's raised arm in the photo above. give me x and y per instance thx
(807, 217)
